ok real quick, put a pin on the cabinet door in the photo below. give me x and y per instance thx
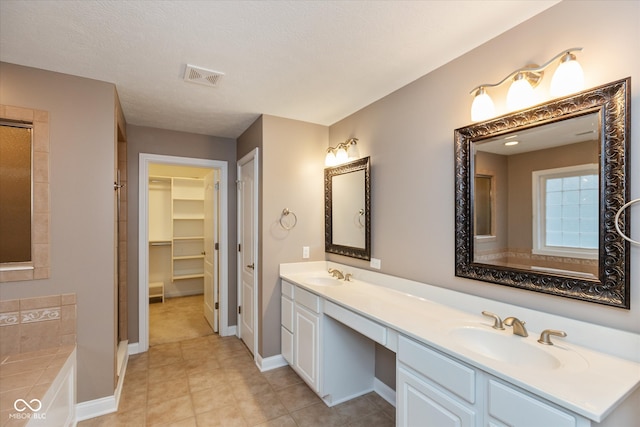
(422, 404)
(287, 344)
(306, 345)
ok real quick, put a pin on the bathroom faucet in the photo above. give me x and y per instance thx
(336, 273)
(518, 326)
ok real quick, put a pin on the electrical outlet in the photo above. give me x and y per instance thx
(305, 252)
(375, 263)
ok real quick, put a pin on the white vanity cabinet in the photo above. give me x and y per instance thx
(300, 332)
(434, 389)
(306, 339)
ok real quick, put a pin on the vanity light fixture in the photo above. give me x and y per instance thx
(568, 78)
(342, 153)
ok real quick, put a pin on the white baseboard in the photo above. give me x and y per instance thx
(95, 408)
(384, 391)
(134, 348)
(109, 404)
(228, 331)
(269, 363)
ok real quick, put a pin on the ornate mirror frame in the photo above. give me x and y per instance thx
(329, 246)
(611, 287)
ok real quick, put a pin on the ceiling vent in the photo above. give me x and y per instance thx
(202, 76)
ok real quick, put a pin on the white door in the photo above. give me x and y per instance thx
(211, 285)
(247, 255)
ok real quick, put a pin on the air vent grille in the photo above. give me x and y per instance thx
(202, 76)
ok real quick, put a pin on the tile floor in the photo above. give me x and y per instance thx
(213, 381)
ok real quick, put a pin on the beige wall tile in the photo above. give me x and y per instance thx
(40, 197)
(69, 339)
(18, 113)
(9, 340)
(14, 276)
(68, 318)
(68, 299)
(40, 302)
(40, 227)
(40, 116)
(39, 335)
(40, 166)
(9, 305)
(41, 137)
(41, 273)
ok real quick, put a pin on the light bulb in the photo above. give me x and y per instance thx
(521, 94)
(341, 155)
(482, 107)
(568, 78)
(330, 159)
(352, 152)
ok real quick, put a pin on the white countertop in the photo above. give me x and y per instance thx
(592, 389)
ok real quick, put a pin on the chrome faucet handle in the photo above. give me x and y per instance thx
(497, 322)
(347, 277)
(518, 326)
(545, 336)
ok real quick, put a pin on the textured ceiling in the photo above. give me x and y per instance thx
(315, 61)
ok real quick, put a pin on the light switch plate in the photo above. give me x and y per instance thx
(375, 263)
(305, 252)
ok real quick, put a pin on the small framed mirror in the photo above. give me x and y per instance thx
(537, 192)
(347, 205)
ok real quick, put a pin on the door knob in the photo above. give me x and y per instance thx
(251, 266)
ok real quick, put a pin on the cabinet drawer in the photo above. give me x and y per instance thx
(448, 373)
(287, 313)
(287, 289)
(361, 324)
(307, 299)
(518, 409)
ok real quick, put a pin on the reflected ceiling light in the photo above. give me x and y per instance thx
(342, 153)
(567, 79)
(508, 143)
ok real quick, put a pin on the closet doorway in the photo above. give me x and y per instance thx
(183, 237)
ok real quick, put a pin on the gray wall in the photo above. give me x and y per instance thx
(409, 136)
(171, 143)
(290, 177)
(82, 227)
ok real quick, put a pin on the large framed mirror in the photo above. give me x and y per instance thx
(537, 192)
(347, 207)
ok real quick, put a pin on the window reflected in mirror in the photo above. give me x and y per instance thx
(559, 178)
(15, 192)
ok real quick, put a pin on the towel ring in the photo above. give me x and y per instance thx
(360, 216)
(286, 212)
(626, 205)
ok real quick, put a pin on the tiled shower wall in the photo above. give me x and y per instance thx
(32, 324)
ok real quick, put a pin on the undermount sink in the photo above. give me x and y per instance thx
(323, 281)
(504, 346)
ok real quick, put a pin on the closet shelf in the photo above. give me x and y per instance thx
(188, 276)
(177, 258)
(188, 238)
